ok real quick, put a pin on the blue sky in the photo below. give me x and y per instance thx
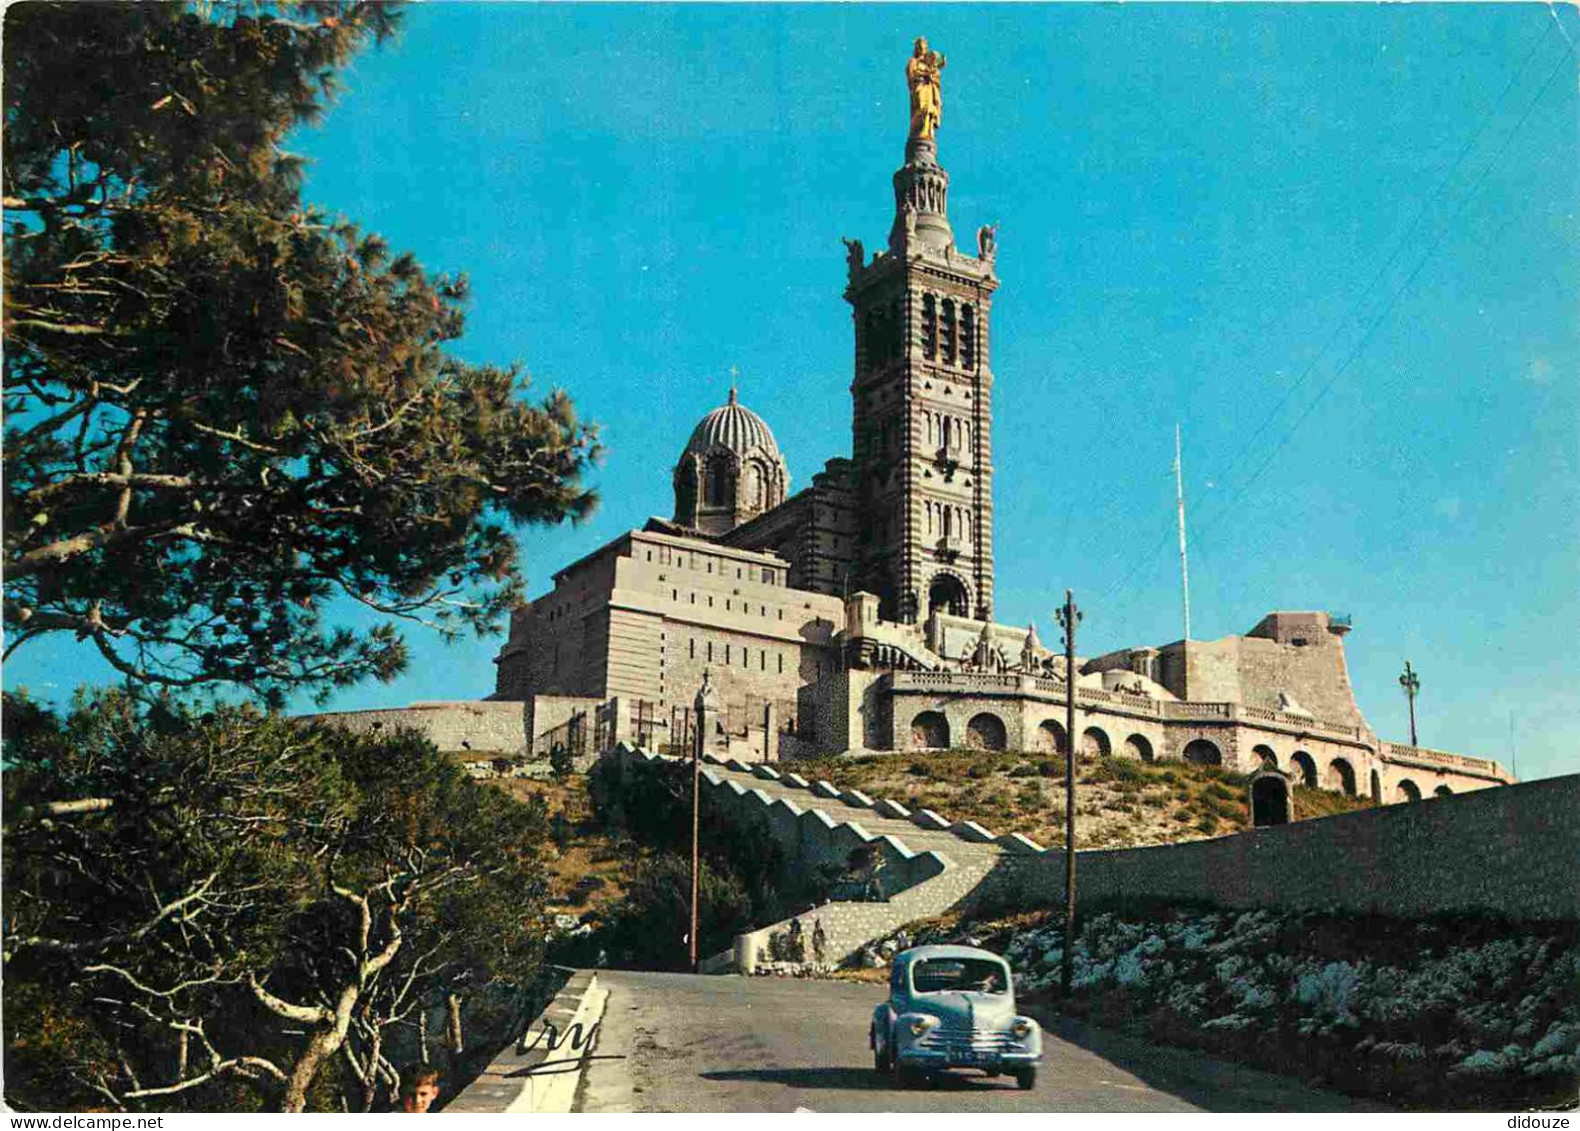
(1337, 243)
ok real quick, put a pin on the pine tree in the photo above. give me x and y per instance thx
(226, 410)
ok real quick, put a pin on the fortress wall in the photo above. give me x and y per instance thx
(1316, 675)
(1513, 851)
(488, 727)
(1253, 669)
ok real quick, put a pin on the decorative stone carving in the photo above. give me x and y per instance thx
(987, 242)
(855, 256)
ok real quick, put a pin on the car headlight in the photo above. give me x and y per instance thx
(920, 1025)
(1021, 1028)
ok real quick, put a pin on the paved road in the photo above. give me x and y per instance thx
(678, 1042)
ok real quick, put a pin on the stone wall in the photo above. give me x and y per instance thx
(471, 728)
(1513, 851)
(546, 712)
(1510, 851)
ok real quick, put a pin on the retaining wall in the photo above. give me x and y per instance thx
(1512, 851)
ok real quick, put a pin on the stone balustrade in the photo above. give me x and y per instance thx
(994, 683)
(1423, 756)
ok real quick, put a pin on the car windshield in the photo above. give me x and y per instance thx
(941, 975)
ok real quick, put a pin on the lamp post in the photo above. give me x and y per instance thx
(1069, 616)
(706, 706)
(1411, 682)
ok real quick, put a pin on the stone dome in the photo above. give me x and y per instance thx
(730, 472)
(735, 428)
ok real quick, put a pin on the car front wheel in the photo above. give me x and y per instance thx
(1026, 1078)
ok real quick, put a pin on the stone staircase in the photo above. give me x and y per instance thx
(966, 852)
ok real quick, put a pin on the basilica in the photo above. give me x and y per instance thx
(856, 614)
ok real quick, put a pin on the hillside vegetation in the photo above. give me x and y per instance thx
(586, 865)
(1119, 802)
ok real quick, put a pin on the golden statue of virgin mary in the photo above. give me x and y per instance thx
(927, 98)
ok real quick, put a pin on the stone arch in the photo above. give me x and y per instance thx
(1408, 790)
(986, 731)
(1341, 776)
(1442, 791)
(1095, 744)
(1136, 746)
(930, 731)
(1306, 766)
(948, 594)
(1269, 799)
(1264, 755)
(1203, 752)
(1049, 737)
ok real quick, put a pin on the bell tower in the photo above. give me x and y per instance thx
(922, 390)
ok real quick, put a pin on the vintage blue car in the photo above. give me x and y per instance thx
(953, 1007)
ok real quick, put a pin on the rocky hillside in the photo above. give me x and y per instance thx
(1451, 1013)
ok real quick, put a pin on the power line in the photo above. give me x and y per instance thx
(1399, 246)
(1381, 273)
(1392, 301)
(1227, 508)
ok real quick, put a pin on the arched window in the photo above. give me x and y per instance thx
(1409, 791)
(1049, 737)
(717, 482)
(1303, 764)
(755, 493)
(947, 594)
(1265, 755)
(929, 327)
(968, 336)
(1341, 776)
(686, 491)
(1203, 753)
(1138, 747)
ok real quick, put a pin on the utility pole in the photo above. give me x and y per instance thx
(706, 706)
(1179, 499)
(1411, 682)
(1069, 617)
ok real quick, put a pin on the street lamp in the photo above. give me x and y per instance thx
(706, 707)
(1069, 616)
(1411, 682)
